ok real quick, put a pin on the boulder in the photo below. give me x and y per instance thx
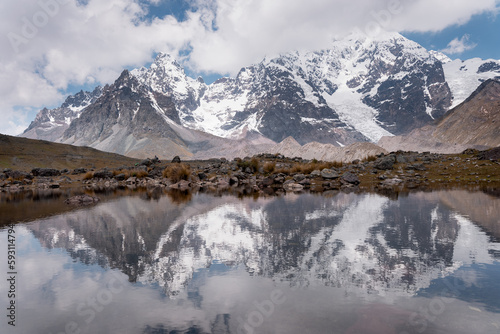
(391, 182)
(79, 171)
(329, 174)
(385, 163)
(131, 180)
(146, 162)
(293, 187)
(17, 174)
(45, 172)
(176, 159)
(103, 174)
(315, 173)
(299, 177)
(267, 181)
(349, 178)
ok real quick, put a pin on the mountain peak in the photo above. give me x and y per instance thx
(440, 56)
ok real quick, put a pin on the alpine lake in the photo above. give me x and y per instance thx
(191, 262)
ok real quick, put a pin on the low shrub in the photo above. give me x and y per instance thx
(176, 172)
(140, 174)
(88, 176)
(269, 167)
(370, 158)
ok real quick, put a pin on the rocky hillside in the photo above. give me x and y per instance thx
(473, 124)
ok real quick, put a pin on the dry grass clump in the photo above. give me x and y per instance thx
(139, 174)
(88, 176)
(370, 158)
(253, 164)
(269, 167)
(176, 172)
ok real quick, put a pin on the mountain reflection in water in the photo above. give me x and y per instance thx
(348, 263)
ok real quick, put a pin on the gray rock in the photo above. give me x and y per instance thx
(17, 174)
(329, 174)
(315, 173)
(401, 159)
(299, 177)
(103, 174)
(350, 178)
(176, 159)
(305, 182)
(267, 181)
(419, 167)
(145, 162)
(385, 163)
(279, 179)
(391, 182)
(79, 171)
(45, 172)
(293, 187)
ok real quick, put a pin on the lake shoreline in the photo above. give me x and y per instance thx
(274, 174)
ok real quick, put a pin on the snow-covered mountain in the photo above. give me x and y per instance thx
(50, 124)
(359, 89)
(464, 77)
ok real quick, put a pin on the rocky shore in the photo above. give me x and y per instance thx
(275, 174)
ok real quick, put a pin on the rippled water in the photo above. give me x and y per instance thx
(345, 263)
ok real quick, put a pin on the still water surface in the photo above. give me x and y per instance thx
(345, 263)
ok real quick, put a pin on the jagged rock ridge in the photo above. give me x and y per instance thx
(473, 124)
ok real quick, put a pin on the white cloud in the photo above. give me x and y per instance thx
(457, 46)
(50, 44)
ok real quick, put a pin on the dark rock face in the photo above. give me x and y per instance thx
(281, 105)
(489, 66)
(402, 103)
